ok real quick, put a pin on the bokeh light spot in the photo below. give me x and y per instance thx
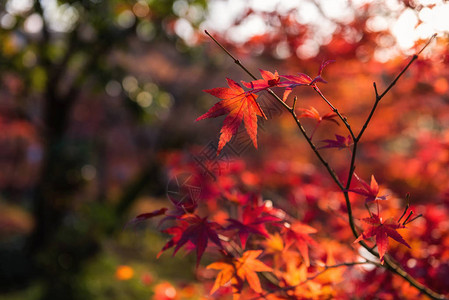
(126, 19)
(113, 88)
(33, 24)
(124, 272)
(141, 9)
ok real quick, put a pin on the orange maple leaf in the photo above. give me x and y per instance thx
(313, 113)
(298, 235)
(382, 230)
(239, 106)
(226, 274)
(239, 270)
(268, 80)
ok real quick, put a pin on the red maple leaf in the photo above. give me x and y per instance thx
(382, 230)
(176, 233)
(314, 114)
(253, 221)
(196, 230)
(340, 142)
(370, 191)
(298, 235)
(269, 80)
(239, 106)
(146, 216)
(303, 79)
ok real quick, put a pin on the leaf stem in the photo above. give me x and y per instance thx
(405, 211)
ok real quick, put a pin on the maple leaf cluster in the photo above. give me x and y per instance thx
(239, 239)
(297, 249)
(238, 270)
(241, 106)
(252, 240)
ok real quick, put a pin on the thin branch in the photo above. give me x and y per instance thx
(408, 217)
(375, 90)
(315, 150)
(294, 103)
(395, 268)
(427, 44)
(405, 211)
(418, 216)
(350, 216)
(236, 61)
(335, 110)
(314, 276)
(239, 63)
(379, 97)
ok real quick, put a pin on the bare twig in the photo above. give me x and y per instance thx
(294, 103)
(335, 110)
(408, 222)
(405, 211)
(379, 97)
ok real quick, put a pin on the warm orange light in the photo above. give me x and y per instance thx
(141, 9)
(124, 273)
(164, 291)
(441, 86)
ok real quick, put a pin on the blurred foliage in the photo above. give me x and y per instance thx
(79, 139)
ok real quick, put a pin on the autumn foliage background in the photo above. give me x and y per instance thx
(98, 104)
